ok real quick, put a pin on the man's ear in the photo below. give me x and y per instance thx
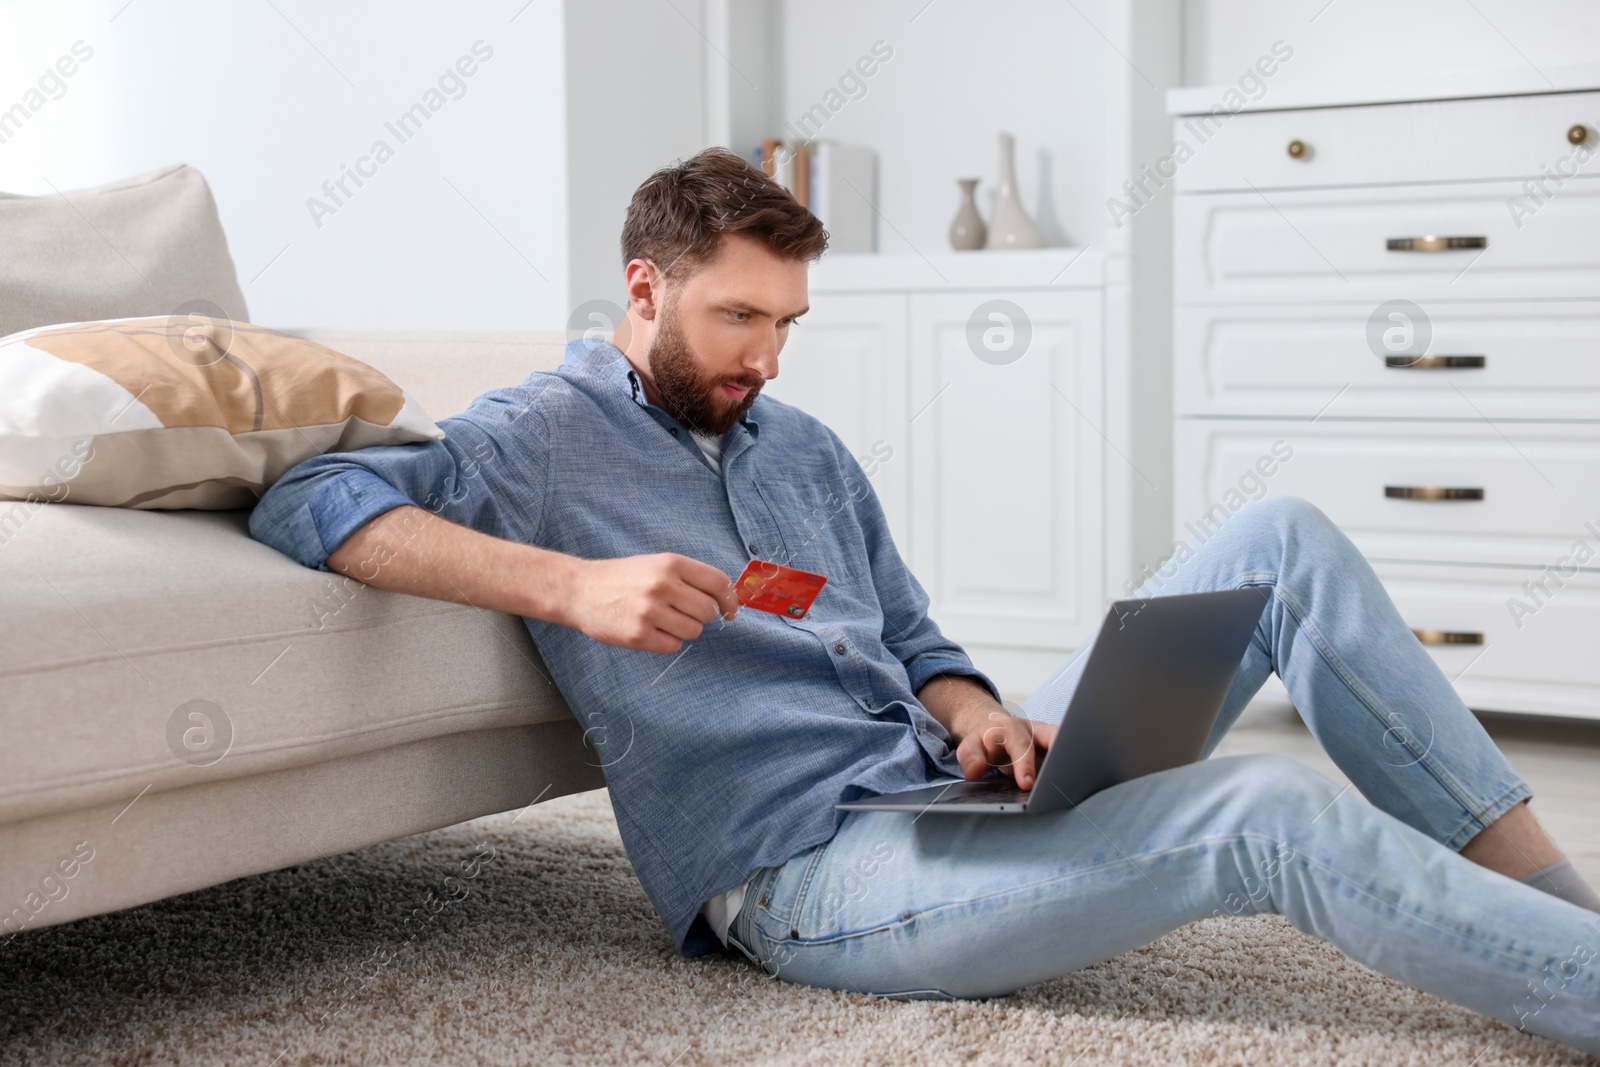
(644, 288)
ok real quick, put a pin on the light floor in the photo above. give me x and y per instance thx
(1559, 758)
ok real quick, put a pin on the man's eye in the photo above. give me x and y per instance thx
(739, 316)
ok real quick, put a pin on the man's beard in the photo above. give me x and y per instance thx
(697, 402)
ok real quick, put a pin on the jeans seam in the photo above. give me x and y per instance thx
(804, 890)
(1447, 781)
(1525, 962)
(759, 890)
(1076, 873)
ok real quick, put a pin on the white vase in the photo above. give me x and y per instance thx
(1010, 227)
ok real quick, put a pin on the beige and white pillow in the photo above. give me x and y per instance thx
(182, 411)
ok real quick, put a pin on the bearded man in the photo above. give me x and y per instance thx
(608, 503)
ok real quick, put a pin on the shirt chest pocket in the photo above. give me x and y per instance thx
(817, 520)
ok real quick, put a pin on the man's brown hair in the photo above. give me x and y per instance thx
(679, 213)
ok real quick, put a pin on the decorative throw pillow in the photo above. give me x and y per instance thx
(182, 412)
(147, 245)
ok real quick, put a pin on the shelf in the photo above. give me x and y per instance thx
(1041, 268)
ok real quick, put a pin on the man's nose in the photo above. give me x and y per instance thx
(764, 360)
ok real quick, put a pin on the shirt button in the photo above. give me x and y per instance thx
(673, 430)
(839, 648)
(866, 703)
(753, 549)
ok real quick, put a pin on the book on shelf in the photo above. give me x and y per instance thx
(838, 183)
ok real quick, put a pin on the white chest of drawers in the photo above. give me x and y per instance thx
(1406, 296)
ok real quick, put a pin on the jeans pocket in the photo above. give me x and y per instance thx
(790, 914)
(748, 935)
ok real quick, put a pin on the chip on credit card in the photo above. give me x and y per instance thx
(781, 590)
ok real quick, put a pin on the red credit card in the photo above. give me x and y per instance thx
(778, 589)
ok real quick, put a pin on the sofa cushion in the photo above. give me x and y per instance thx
(156, 650)
(445, 370)
(147, 245)
(182, 411)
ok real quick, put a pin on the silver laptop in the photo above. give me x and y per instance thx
(1146, 702)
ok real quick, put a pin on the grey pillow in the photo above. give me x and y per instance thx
(148, 245)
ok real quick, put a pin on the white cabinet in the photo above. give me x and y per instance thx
(845, 363)
(983, 377)
(1407, 302)
(1007, 465)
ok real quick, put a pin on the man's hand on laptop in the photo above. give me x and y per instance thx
(986, 734)
(654, 602)
(1013, 744)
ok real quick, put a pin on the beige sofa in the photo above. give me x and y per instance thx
(183, 705)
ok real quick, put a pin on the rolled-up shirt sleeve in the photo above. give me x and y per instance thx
(491, 463)
(908, 632)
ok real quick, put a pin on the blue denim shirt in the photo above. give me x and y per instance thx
(727, 756)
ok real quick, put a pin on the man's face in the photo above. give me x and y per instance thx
(718, 333)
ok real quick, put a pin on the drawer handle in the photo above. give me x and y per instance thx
(1297, 149)
(1448, 637)
(1434, 362)
(1434, 243)
(1430, 492)
(1578, 134)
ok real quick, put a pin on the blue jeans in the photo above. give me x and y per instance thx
(968, 906)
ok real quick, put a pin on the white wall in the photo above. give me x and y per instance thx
(636, 102)
(269, 106)
(959, 74)
(1154, 48)
(744, 71)
(1349, 39)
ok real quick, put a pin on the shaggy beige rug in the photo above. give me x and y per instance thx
(552, 954)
